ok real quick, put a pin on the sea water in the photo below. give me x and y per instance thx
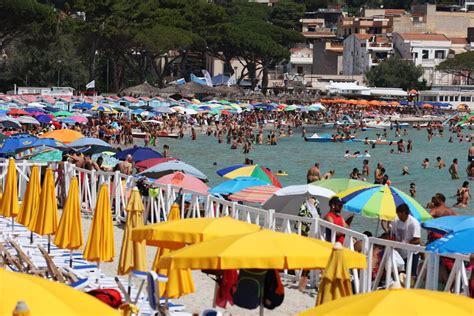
(295, 156)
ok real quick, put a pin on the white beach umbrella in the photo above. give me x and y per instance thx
(289, 199)
(27, 120)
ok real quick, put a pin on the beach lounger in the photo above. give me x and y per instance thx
(153, 291)
(8, 260)
(25, 261)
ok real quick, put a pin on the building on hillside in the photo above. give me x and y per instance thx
(427, 51)
(327, 57)
(364, 51)
(301, 61)
(425, 18)
(364, 25)
(319, 29)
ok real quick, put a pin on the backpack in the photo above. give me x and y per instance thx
(110, 297)
(249, 288)
(273, 290)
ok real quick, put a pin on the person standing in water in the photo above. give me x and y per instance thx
(313, 174)
(453, 169)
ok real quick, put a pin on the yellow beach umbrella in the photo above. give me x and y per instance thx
(396, 302)
(173, 234)
(30, 204)
(69, 233)
(336, 279)
(44, 297)
(46, 220)
(133, 253)
(264, 249)
(180, 282)
(9, 206)
(100, 244)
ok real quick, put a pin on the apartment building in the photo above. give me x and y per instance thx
(364, 51)
(427, 51)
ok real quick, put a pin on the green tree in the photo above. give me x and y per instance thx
(287, 14)
(396, 72)
(20, 17)
(461, 65)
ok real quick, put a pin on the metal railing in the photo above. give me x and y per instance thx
(383, 256)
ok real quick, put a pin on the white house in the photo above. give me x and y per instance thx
(301, 60)
(427, 51)
(364, 51)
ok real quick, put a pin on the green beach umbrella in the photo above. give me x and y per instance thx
(340, 184)
(63, 114)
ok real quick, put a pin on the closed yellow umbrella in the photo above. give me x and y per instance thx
(100, 244)
(46, 219)
(69, 234)
(30, 204)
(264, 249)
(44, 297)
(180, 282)
(133, 253)
(397, 301)
(9, 206)
(173, 234)
(336, 279)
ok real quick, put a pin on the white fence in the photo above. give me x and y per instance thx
(383, 256)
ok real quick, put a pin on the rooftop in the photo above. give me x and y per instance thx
(423, 37)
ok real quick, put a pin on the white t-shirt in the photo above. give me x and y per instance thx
(406, 231)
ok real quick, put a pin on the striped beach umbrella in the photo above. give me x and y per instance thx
(255, 171)
(258, 194)
(380, 201)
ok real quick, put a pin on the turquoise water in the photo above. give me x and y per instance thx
(295, 156)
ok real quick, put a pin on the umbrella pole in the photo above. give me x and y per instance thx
(98, 273)
(129, 290)
(377, 229)
(31, 237)
(216, 288)
(49, 243)
(13, 224)
(70, 258)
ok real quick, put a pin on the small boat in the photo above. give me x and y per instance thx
(326, 138)
(139, 134)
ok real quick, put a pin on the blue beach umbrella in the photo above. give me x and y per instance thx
(16, 142)
(82, 106)
(138, 154)
(456, 242)
(237, 184)
(226, 170)
(449, 224)
(88, 141)
(42, 118)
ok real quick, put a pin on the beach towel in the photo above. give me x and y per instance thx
(110, 297)
(249, 290)
(273, 290)
(227, 285)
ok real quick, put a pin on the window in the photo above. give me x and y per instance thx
(456, 98)
(463, 99)
(363, 45)
(299, 69)
(425, 54)
(451, 98)
(439, 54)
(414, 55)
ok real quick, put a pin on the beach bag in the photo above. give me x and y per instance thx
(273, 290)
(110, 297)
(249, 288)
